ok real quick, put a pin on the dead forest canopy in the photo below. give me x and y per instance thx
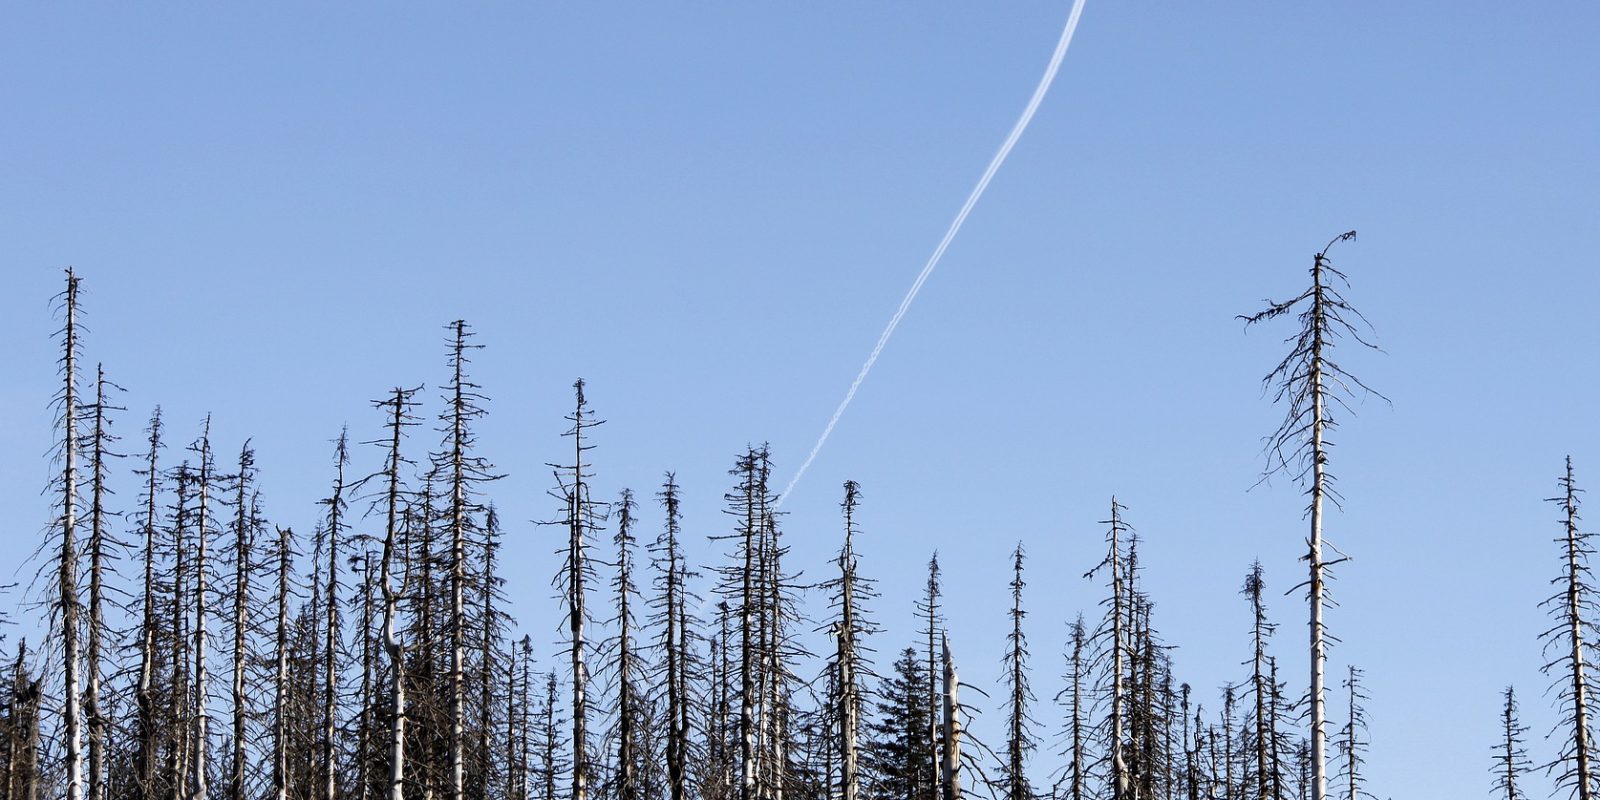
(198, 646)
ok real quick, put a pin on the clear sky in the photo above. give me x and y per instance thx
(709, 210)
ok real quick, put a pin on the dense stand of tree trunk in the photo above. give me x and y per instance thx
(446, 706)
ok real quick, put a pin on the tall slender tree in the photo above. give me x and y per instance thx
(1261, 733)
(1310, 383)
(1076, 733)
(1113, 635)
(246, 525)
(672, 618)
(67, 605)
(397, 409)
(1020, 740)
(627, 664)
(332, 529)
(1510, 754)
(202, 634)
(147, 713)
(464, 473)
(1352, 742)
(582, 520)
(1573, 607)
(283, 553)
(848, 669)
(101, 546)
(932, 624)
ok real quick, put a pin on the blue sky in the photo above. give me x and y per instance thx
(709, 210)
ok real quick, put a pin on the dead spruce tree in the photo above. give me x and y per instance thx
(1352, 744)
(283, 555)
(1573, 607)
(848, 670)
(247, 525)
(626, 664)
(101, 545)
(67, 619)
(397, 409)
(1309, 382)
(1112, 636)
(761, 603)
(330, 540)
(582, 517)
(201, 710)
(1075, 734)
(463, 473)
(740, 586)
(1020, 741)
(1261, 729)
(489, 621)
(670, 616)
(932, 623)
(1510, 755)
(23, 740)
(147, 714)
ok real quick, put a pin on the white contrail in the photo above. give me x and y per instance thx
(950, 234)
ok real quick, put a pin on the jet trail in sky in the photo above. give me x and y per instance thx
(950, 234)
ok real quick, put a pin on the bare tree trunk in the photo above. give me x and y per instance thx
(1262, 693)
(244, 527)
(747, 649)
(1576, 570)
(930, 615)
(458, 580)
(676, 647)
(398, 405)
(280, 678)
(202, 712)
(178, 721)
(1075, 786)
(97, 566)
(627, 777)
(145, 759)
(1305, 379)
(1512, 757)
(331, 638)
(849, 697)
(1122, 778)
(364, 727)
(1018, 740)
(577, 569)
(1319, 648)
(486, 647)
(950, 770)
(67, 563)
